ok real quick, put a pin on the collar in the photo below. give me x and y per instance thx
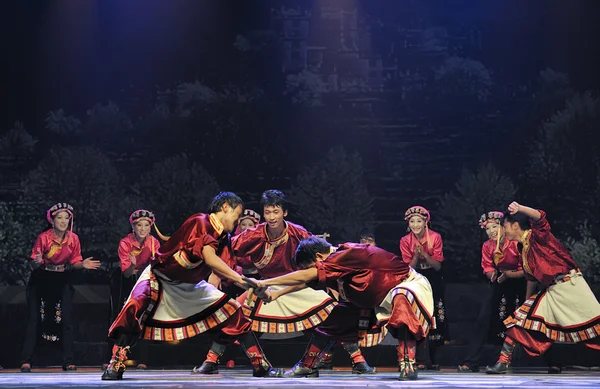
(55, 238)
(525, 236)
(216, 224)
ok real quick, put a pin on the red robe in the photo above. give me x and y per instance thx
(544, 257)
(272, 257)
(181, 259)
(510, 261)
(56, 252)
(142, 253)
(407, 248)
(362, 274)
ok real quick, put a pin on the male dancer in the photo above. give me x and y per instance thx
(369, 278)
(271, 247)
(171, 300)
(565, 310)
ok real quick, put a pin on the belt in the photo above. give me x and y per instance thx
(567, 277)
(54, 268)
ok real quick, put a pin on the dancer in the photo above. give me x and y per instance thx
(172, 301)
(369, 278)
(271, 246)
(503, 267)
(564, 311)
(135, 252)
(422, 249)
(55, 253)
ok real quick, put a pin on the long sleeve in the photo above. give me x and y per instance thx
(437, 249)
(487, 262)
(405, 249)
(541, 227)
(76, 253)
(37, 247)
(124, 250)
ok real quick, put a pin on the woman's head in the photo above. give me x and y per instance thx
(417, 218)
(60, 215)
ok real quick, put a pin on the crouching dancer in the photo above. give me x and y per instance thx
(171, 300)
(370, 278)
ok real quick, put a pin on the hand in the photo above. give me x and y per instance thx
(38, 259)
(503, 277)
(255, 284)
(90, 263)
(494, 276)
(265, 294)
(514, 207)
(133, 259)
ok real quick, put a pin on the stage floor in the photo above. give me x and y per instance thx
(241, 378)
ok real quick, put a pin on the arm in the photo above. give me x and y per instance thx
(293, 279)
(288, 289)
(531, 287)
(217, 265)
(36, 253)
(437, 265)
(127, 260)
(515, 207)
(408, 256)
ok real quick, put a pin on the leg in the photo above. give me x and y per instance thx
(359, 364)
(306, 367)
(126, 329)
(326, 361)
(236, 327)
(407, 348)
(504, 360)
(480, 333)
(31, 333)
(67, 328)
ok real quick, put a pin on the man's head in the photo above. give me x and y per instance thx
(515, 225)
(367, 236)
(310, 251)
(275, 208)
(227, 207)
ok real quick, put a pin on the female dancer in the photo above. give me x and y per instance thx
(55, 253)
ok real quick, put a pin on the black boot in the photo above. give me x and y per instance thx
(116, 367)
(501, 367)
(210, 365)
(316, 348)
(358, 367)
(300, 371)
(326, 359)
(261, 367)
(362, 368)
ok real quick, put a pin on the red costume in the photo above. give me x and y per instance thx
(565, 311)
(274, 257)
(49, 291)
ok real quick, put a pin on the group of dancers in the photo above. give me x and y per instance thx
(227, 275)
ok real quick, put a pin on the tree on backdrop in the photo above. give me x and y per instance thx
(175, 189)
(564, 167)
(332, 196)
(458, 212)
(86, 179)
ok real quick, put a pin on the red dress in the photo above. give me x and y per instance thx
(435, 250)
(174, 289)
(566, 310)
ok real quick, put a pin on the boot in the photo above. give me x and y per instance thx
(501, 366)
(359, 364)
(407, 350)
(317, 347)
(325, 363)
(261, 367)
(211, 364)
(116, 367)
(407, 370)
(301, 371)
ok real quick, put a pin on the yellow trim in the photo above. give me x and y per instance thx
(525, 241)
(270, 247)
(183, 260)
(216, 223)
